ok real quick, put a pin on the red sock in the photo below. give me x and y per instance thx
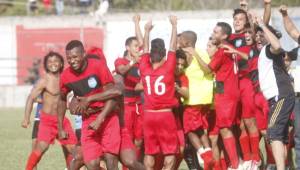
(217, 165)
(270, 158)
(230, 147)
(254, 140)
(69, 160)
(33, 159)
(245, 146)
(208, 159)
(223, 164)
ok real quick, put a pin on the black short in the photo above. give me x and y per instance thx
(78, 135)
(35, 129)
(278, 118)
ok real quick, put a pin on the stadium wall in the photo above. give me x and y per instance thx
(26, 38)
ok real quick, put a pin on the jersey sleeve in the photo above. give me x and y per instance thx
(184, 81)
(62, 85)
(119, 62)
(171, 60)
(105, 74)
(216, 61)
(270, 55)
(144, 61)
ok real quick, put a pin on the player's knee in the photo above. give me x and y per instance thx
(112, 164)
(93, 165)
(214, 140)
(129, 163)
(169, 161)
(250, 123)
(149, 163)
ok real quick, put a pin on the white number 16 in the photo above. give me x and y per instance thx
(159, 87)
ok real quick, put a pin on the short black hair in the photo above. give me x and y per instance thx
(158, 50)
(51, 54)
(240, 11)
(191, 36)
(74, 43)
(129, 40)
(226, 28)
(272, 29)
(293, 54)
(180, 54)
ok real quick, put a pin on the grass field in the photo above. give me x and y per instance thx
(15, 144)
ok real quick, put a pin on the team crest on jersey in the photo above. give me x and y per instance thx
(238, 43)
(92, 82)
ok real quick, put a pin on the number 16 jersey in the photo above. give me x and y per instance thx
(159, 83)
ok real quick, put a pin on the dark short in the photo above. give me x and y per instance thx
(278, 117)
(78, 135)
(35, 129)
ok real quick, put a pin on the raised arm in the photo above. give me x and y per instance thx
(137, 28)
(289, 25)
(267, 11)
(204, 67)
(173, 41)
(232, 50)
(148, 28)
(272, 39)
(34, 94)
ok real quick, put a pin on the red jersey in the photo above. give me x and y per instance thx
(182, 81)
(253, 60)
(89, 82)
(239, 42)
(159, 84)
(131, 78)
(222, 64)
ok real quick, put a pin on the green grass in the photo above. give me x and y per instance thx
(15, 144)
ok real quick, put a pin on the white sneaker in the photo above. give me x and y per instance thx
(200, 160)
(255, 165)
(247, 165)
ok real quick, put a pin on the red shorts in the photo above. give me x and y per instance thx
(211, 123)
(106, 139)
(247, 98)
(261, 111)
(193, 117)
(160, 133)
(48, 130)
(133, 120)
(180, 132)
(226, 110)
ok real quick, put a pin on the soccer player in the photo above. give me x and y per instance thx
(127, 66)
(278, 90)
(157, 75)
(100, 134)
(198, 104)
(48, 87)
(227, 94)
(249, 137)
